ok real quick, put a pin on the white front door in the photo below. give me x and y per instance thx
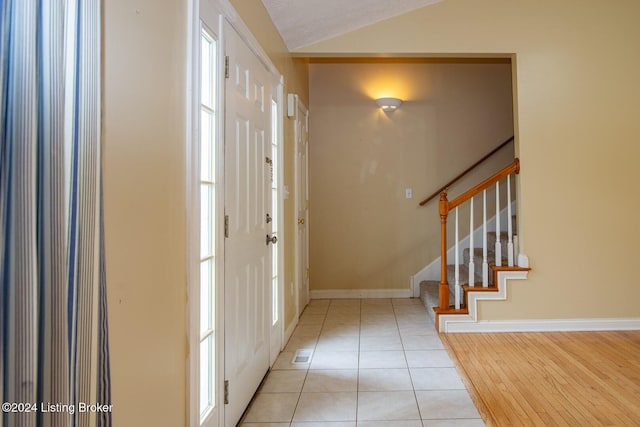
(247, 285)
(302, 202)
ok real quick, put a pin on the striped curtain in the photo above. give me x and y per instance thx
(54, 359)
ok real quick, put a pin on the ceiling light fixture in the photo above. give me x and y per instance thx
(389, 105)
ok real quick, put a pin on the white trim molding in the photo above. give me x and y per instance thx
(469, 323)
(548, 325)
(360, 293)
(288, 332)
(465, 322)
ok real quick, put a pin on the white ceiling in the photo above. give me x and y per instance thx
(303, 22)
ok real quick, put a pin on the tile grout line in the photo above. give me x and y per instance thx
(404, 353)
(306, 375)
(399, 311)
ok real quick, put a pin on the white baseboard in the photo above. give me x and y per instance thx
(360, 293)
(288, 332)
(545, 325)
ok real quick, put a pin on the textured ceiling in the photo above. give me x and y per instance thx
(303, 22)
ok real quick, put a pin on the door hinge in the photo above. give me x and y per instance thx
(226, 67)
(226, 392)
(226, 226)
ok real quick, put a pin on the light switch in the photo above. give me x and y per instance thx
(408, 193)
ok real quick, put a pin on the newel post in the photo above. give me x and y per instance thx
(443, 293)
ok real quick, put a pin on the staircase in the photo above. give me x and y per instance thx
(429, 288)
(492, 259)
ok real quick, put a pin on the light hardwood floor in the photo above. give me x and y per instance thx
(548, 379)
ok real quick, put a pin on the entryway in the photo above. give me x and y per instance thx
(372, 360)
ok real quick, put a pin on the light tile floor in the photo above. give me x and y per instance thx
(375, 363)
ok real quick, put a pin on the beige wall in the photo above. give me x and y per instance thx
(144, 188)
(577, 127)
(144, 200)
(364, 233)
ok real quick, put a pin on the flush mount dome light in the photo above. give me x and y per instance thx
(388, 105)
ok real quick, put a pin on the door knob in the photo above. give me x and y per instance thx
(300, 220)
(271, 239)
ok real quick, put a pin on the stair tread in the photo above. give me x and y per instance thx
(451, 310)
(490, 288)
(507, 268)
(429, 290)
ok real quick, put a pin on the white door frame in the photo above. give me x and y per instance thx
(224, 10)
(198, 12)
(301, 119)
(277, 95)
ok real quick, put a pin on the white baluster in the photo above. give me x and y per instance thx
(472, 268)
(498, 245)
(485, 263)
(509, 225)
(457, 266)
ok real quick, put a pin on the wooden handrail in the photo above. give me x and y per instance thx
(512, 168)
(466, 171)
